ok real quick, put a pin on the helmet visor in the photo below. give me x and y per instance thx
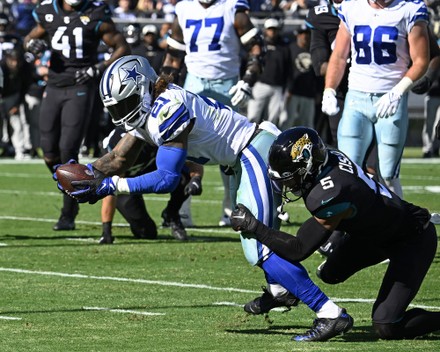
(125, 109)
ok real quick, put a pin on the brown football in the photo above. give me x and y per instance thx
(67, 173)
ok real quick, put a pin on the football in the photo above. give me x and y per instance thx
(72, 172)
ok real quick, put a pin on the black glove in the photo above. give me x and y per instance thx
(422, 85)
(194, 187)
(243, 220)
(87, 73)
(36, 46)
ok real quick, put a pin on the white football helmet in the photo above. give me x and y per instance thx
(73, 3)
(126, 89)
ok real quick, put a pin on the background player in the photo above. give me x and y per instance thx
(73, 29)
(384, 37)
(209, 36)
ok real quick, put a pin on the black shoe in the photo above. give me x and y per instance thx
(324, 329)
(427, 155)
(106, 239)
(266, 302)
(177, 229)
(64, 224)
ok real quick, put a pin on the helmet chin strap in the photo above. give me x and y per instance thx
(282, 214)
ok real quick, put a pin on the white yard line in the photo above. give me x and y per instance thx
(2, 317)
(178, 284)
(112, 310)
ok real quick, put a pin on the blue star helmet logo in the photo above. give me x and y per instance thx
(131, 74)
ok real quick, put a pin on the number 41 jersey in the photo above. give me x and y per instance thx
(73, 36)
(379, 41)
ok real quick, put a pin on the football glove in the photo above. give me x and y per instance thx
(55, 178)
(329, 103)
(241, 93)
(86, 73)
(194, 187)
(93, 190)
(243, 220)
(422, 85)
(388, 103)
(36, 46)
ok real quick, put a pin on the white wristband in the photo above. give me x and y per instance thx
(404, 85)
(121, 185)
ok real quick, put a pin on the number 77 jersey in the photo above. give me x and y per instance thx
(211, 42)
(379, 41)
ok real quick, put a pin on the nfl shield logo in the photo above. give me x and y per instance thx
(66, 20)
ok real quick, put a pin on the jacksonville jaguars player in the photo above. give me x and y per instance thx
(385, 36)
(379, 226)
(74, 29)
(208, 36)
(184, 126)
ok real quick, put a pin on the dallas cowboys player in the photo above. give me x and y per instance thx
(380, 225)
(385, 36)
(184, 126)
(208, 35)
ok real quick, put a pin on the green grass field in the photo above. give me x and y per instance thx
(61, 291)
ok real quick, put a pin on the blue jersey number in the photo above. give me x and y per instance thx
(383, 52)
(217, 22)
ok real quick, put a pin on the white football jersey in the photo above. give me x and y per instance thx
(211, 41)
(219, 133)
(379, 45)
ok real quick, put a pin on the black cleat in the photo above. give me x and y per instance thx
(266, 302)
(324, 329)
(64, 224)
(177, 229)
(106, 239)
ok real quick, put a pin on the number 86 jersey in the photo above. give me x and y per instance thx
(379, 41)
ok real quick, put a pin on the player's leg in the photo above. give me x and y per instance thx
(409, 263)
(170, 215)
(108, 208)
(391, 136)
(355, 130)
(75, 113)
(331, 319)
(132, 208)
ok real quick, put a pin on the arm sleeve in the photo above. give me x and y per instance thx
(169, 161)
(319, 50)
(310, 236)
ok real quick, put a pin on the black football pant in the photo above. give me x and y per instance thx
(409, 261)
(64, 116)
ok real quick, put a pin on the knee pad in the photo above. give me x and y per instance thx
(388, 331)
